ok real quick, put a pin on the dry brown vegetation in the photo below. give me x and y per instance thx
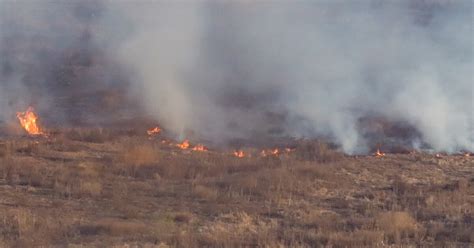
(97, 188)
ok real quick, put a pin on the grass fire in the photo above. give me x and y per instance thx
(236, 124)
(29, 121)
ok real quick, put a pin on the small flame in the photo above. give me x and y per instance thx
(153, 131)
(185, 145)
(268, 152)
(28, 121)
(275, 152)
(200, 148)
(167, 142)
(437, 155)
(378, 153)
(467, 154)
(239, 154)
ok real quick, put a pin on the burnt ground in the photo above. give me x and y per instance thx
(96, 188)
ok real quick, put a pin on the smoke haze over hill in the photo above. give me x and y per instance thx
(248, 70)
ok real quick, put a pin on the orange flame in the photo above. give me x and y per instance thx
(438, 155)
(378, 153)
(153, 131)
(185, 145)
(467, 154)
(200, 148)
(276, 151)
(28, 121)
(239, 154)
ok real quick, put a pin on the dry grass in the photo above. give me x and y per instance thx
(138, 161)
(96, 189)
(397, 226)
(205, 193)
(139, 156)
(90, 135)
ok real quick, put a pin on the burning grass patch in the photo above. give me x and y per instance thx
(137, 191)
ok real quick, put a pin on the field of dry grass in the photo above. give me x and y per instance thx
(94, 188)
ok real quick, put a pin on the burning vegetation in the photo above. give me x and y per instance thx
(200, 148)
(308, 184)
(101, 164)
(134, 186)
(153, 131)
(378, 153)
(184, 145)
(29, 121)
(239, 154)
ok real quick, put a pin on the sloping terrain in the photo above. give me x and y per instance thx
(99, 188)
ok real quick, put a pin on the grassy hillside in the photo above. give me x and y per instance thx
(100, 188)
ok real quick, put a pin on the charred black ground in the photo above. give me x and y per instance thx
(233, 74)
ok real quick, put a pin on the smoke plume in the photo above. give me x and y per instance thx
(358, 73)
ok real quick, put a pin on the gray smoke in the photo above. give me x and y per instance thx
(50, 59)
(257, 70)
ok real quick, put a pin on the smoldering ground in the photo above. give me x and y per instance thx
(351, 72)
(50, 60)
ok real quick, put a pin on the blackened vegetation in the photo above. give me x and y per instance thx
(49, 59)
(390, 136)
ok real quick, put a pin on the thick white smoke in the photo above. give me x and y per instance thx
(221, 68)
(255, 70)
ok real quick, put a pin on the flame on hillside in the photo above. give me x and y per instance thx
(378, 153)
(276, 152)
(268, 152)
(153, 131)
(200, 148)
(239, 154)
(185, 145)
(29, 121)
